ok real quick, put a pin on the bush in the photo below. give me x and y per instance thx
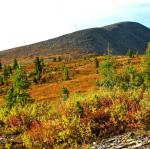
(65, 73)
(1, 80)
(130, 78)
(130, 53)
(65, 93)
(96, 62)
(0, 65)
(139, 80)
(80, 109)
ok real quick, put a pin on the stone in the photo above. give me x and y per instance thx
(130, 140)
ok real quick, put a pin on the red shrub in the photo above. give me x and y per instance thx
(23, 118)
(105, 102)
(100, 116)
(13, 121)
(35, 124)
(86, 115)
(132, 106)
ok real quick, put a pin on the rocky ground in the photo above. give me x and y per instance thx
(10, 142)
(131, 140)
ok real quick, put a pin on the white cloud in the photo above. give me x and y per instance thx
(27, 21)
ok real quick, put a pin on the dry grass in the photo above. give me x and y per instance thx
(82, 76)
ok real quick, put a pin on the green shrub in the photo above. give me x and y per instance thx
(139, 79)
(79, 108)
(130, 53)
(1, 80)
(96, 62)
(65, 73)
(0, 65)
(65, 93)
(130, 78)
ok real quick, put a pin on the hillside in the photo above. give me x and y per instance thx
(120, 36)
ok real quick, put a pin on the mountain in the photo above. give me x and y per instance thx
(120, 36)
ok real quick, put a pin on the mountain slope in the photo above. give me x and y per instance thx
(120, 36)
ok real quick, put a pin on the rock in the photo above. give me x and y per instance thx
(10, 139)
(132, 135)
(130, 140)
(94, 143)
(138, 145)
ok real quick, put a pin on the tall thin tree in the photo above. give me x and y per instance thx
(147, 66)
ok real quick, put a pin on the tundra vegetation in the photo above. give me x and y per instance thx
(117, 101)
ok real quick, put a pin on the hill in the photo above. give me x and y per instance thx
(120, 36)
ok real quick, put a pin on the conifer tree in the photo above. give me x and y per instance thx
(127, 79)
(0, 65)
(130, 53)
(42, 63)
(39, 64)
(65, 93)
(131, 72)
(1, 80)
(79, 108)
(6, 73)
(147, 66)
(9, 69)
(137, 53)
(17, 93)
(108, 71)
(96, 62)
(66, 73)
(15, 64)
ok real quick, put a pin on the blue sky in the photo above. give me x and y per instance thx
(28, 21)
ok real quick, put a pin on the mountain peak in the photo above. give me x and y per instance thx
(121, 36)
(125, 24)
